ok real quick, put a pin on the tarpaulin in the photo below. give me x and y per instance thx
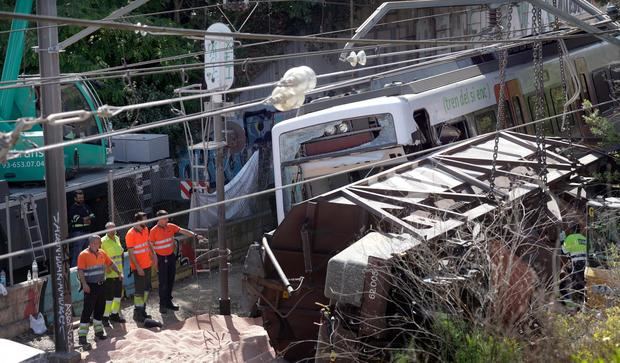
(245, 182)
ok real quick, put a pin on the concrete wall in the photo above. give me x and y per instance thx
(240, 234)
(16, 307)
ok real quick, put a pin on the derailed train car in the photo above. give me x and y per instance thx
(350, 274)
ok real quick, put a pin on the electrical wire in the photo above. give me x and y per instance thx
(21, 83)
(112, 110)
(291, 185)
(161, 30)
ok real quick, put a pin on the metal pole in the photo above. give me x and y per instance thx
(218, 129)
(111, 206)
(8, 236)
(277, 266)
(49, 67)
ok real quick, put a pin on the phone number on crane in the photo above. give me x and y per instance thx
(24, 164)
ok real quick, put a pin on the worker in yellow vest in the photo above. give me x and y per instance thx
(113, 286)
(574, 246)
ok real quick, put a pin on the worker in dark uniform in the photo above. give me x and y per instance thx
(574, 246)
(92, 265)
(80, 220)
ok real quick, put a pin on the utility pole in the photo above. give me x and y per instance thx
(218, 131)
(49, 67)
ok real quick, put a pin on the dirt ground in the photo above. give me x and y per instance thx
(194, 295)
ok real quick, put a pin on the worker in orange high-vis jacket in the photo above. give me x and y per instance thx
(92, 264)
(141, 259)
(162, 239)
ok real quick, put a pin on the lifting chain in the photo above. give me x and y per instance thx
(539, 113)
(501, 101)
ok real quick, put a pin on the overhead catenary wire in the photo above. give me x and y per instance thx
(235, 90)
(164, 31)
(24, 83)
(69, 78)
(111, 110)
(294, 184)
(125, 68)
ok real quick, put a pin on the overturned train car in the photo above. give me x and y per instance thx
(352, 272)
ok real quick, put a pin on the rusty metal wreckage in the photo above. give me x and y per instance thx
(320, 255)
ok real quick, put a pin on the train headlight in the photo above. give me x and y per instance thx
(330, 130)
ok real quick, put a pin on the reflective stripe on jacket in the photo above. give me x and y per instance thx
(114, 249)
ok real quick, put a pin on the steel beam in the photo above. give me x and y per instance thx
(547, 140)
(483, 169)
(509, 163)
(91, 29)
(401, 202)
(468, 178)
(386, 7)
(574, 21)
(425, 195)
(380, 213)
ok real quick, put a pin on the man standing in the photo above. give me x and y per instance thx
(141, 258)
(162, 239)
(92, 264)
(113, 286)
(80, 221)
(575, 246)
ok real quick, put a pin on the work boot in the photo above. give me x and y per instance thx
(162, 309)
(84, 344)
(101, 335)
(117, 318)
(146, 316)
(105, 321)
(171, 306)
(138, 314)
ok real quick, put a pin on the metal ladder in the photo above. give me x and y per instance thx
(33, 232)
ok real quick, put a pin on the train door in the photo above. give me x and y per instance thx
(515, 105)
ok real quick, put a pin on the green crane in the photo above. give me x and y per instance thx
(19, 102)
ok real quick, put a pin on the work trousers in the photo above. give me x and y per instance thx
(167, 270)
(142, 283)
(579, 280)
(572, 287)
(113, 288)
(94, 303)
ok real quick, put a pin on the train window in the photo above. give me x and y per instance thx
(547, 125)
(557, 101)
(422, 136)
(601, 88)
(485, 121)
(518, 110)
(449, 133)
(72, 99)
(585, 93)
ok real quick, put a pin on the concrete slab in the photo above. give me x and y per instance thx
(16, 352)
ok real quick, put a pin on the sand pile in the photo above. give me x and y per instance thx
(205, 338)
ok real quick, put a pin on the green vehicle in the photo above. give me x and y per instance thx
(15, 103)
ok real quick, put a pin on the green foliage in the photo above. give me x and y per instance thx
(111, 48)
(458, 341)
(591, 336)
(599, 125)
